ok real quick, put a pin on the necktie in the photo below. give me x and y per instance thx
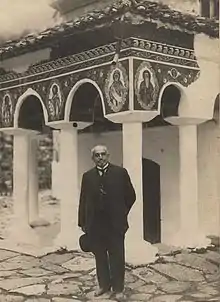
(101, 170)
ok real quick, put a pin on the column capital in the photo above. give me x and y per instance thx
(60, 125)
(132, 116)
(185, 121)
(19, 131)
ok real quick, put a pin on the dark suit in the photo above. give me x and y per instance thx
(105, 202)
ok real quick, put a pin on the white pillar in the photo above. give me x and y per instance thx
(33, 181)
(212, 8)
(188, 177)
(20, 232)
(69, 233)
(56, 175)
(138, 251)
(189, 234)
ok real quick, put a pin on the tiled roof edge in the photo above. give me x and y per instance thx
(149, 11)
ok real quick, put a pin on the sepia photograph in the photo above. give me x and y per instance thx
(109, 151)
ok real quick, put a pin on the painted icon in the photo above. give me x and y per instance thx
(54, 101)
(116, 89)
(146, 86)
(7, 111)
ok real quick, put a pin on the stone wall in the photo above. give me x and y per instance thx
(6, 163)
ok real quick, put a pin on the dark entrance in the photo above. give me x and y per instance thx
(151, 201)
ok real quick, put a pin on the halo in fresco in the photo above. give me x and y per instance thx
(7, 110)
(146, 86)
(54, 101)
(116, 88)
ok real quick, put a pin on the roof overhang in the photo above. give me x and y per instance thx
(133, 12)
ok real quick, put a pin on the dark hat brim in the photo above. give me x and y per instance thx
(84, 243)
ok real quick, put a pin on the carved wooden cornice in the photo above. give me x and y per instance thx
(134, 47)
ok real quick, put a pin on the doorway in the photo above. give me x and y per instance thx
(151, 201)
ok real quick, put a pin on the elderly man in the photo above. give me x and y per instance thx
(106, 198)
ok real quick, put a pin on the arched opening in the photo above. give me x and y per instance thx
(31, 115)
(87, 107)
(151, 201)
(170, 101)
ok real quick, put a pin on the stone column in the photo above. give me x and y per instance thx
(33, 181)
(212, 8)
(138, 251)
(69, 232)
(189, 234)
(20, 232)
(56, 165)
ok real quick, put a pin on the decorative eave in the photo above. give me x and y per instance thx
(136, 12)
(130, 46)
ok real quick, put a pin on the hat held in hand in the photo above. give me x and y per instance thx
(84, 243)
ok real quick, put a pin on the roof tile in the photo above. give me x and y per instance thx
(144, 8)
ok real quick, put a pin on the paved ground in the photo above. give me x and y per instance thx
(49, 209)
(63, 277)
(70, 276)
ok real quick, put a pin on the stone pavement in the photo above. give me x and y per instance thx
(70, 276)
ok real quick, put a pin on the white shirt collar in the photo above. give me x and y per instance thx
(103, 168)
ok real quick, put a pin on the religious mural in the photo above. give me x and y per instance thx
(149, 78)
(146, 87)
(55, 101)
(7, 111)
(116, 88)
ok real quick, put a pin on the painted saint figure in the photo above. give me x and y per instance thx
(146, 89)
(7, 110)
(117, 89)
(54, 101)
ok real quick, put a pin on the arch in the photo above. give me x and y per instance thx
(172, 90)
(29, 92)
(72, 93)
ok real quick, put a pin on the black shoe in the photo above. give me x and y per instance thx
(119, 295)
(101, 292)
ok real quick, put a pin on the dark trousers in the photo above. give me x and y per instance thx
(109, 254)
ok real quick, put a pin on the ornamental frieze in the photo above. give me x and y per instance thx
(183, 76)
(164, 59)
(101, 55)
(58, 72)
(149, 78)
(113, 82)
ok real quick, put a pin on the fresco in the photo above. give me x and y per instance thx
(116, 88)
(54, 101)
(7, 111)
(146, 87)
